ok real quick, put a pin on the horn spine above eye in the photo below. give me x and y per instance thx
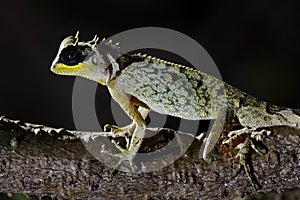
(76, 38)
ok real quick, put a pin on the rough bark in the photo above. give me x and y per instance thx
(43, 161)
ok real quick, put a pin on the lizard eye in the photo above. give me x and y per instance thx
(71, 56)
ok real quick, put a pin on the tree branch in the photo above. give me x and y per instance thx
(39, 160)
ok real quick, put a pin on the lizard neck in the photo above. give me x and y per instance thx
(126, 60)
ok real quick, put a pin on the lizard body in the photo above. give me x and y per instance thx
(141, 81)
(190, 94)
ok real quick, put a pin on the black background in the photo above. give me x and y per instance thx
(255, 45)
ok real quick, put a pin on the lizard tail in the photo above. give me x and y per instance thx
(284, 116)
(294, 118)
(296, 112)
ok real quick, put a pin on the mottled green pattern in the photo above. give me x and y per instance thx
(171, 89)
(187, 93)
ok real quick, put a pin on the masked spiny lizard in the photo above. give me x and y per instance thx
(143, 83)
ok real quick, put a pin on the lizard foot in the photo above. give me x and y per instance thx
(243, 154)
(120, 130)
(128, 153)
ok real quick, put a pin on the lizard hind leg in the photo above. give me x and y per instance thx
(242, 140)
(218, 132)
(222, 140)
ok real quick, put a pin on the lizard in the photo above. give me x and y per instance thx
(140, 83)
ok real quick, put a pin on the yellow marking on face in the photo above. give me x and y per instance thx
(78, 69)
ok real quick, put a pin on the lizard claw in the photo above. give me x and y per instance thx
(132, 147)
(127, 154)
(109, 127)
(243, 155)
(120, 130)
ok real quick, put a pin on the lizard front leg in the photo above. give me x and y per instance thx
(132, 106)
(143, 110)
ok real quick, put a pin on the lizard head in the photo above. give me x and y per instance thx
(85, 59)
